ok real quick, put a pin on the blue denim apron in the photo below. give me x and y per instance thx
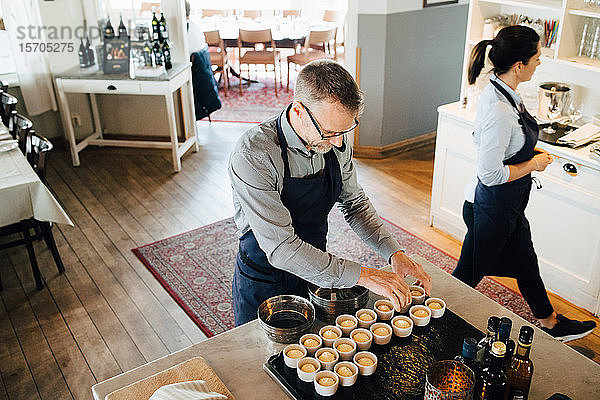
(309, 201)
(501, 233)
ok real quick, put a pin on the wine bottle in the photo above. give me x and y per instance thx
(469, 352)
(162, 24)
(520, 369)
(492, 384)
(504, 337)
(155, 27)
(147, 53)
(166, 51)
(83, 58)
(90, 52)
(158, 56)
(109, 31)
(485, 344)
(122, 29)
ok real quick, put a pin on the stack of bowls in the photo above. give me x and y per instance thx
(286, 318)
(330, 303)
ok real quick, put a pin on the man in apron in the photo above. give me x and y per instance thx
(286, 175)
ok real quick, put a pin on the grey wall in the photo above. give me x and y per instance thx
(421, 70)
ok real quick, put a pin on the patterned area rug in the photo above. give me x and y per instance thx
(257, 102)
(196, 268)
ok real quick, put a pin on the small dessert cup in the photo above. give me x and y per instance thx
(311, 342)
(366, 362)
(418, 295)
(437, 306)
(382, 333)
(306, 373)
(347, 371)
(346, 347)
(366, 317)
(421, 315)
(384, 309)
(292, 353)
(326, 383)
(328, 357)
(347, 323)
(363, 338)
(330, 333)
(402, 326)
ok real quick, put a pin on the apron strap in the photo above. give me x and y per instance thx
(506, 94)
(283, 144)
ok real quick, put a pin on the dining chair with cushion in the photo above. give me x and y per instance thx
(337, 17)
(264, 57)
(37, 151)
(292, 13)
(218, 56)
(252, 14)
(314, 39)
(206, 12)
(8, 104)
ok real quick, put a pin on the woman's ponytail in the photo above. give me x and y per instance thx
(477, 60)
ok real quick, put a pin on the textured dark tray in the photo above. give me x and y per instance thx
(401, 368)
(561, 130)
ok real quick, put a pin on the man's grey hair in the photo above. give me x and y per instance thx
(328, 81)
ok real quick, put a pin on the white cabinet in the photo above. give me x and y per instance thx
(564, 214)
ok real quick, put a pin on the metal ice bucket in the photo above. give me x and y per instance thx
(552, 95)
(285, 318)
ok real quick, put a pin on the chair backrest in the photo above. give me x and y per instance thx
(213, 38)
(291, 13)
(252, 14)
(336, 16)
(21, 126)
(206, 12)
(3, 86)
(147, 7)
(255, 37)
(320, 37)
(7, 105)
(37, 152)
(12, 124)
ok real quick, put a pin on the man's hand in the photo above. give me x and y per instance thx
(403, 265)
(388, 284)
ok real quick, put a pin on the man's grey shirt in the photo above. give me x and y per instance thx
(256, 172)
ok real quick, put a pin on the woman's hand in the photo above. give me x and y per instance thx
(388, 284)
(404, 265)
(541, 160)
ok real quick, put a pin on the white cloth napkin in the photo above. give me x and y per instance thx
(191, 390)
(581, 136)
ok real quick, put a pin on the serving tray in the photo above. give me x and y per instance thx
(401, 367)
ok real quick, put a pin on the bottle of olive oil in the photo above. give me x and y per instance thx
(492, 384)
(520, 369)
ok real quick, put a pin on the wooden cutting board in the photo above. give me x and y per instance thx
(190, 370)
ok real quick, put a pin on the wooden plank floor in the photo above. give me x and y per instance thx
(107, 314)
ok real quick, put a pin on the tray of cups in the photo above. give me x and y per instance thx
(376, 353)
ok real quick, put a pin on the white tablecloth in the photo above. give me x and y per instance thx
(23, 195)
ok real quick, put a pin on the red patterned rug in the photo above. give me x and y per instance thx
(257, 102)
(196, 268)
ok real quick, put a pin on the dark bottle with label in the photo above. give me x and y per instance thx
(520, 369)
(89, 52)
(166, 50)
(83, 58)
(162, 24)
(155, 27)
(158, 56)
(122, 29)
(504, 337)
(485, 344)
(147, 53)
(492, 383)
(469, 352)
(109, 31)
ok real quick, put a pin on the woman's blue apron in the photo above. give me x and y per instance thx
(309, 201)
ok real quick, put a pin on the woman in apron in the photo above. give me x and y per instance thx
(498, 240)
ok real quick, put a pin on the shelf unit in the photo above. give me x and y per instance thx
(559, 63)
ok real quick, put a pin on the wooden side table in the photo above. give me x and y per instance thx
(78, 80)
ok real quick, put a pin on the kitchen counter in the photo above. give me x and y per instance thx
(581, 155)
(237, 356)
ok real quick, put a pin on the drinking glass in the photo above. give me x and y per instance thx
(574, 111)
(449, 380)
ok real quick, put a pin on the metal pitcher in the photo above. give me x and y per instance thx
(553, 99)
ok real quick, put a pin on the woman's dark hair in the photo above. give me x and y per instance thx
(511, 45)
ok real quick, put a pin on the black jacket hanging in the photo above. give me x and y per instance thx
(206, 91)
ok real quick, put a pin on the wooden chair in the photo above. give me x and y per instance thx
(218, 55)
(211, 12)
(3, 86)
(317, 39)
(146, 7)
(292, 13)
(37, 150)
(258, 57)
(21, 128)
(252, 14)
(8, 104)
(338, 17)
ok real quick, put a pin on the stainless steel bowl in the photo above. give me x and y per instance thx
(330, 303)
(285, 318)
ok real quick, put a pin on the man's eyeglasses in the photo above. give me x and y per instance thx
(329, 133)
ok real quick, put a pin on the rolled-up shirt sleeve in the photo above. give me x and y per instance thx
(495, 133)
(360, 213)
(254, 180)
